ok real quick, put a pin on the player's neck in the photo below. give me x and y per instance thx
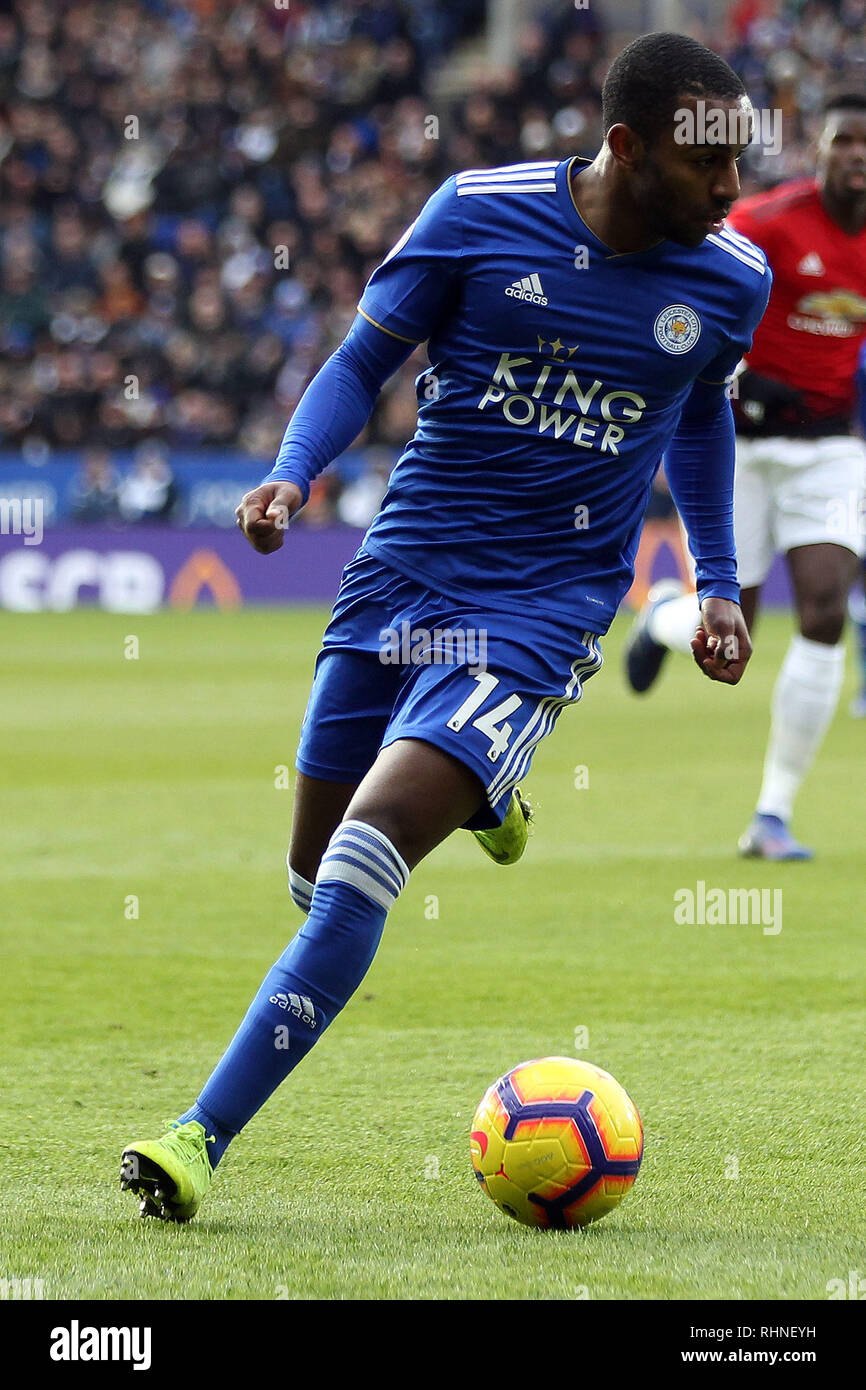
(850, 216)
(608, 209)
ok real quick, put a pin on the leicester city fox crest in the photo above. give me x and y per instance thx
(677, 328)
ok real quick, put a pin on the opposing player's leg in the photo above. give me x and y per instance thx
(815, 486)
(666, 623)
(811, 515)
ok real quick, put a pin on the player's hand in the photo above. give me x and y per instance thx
(264, 514)
(721, 645)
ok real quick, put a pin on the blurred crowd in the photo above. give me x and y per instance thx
(791, 57)
(192, 196)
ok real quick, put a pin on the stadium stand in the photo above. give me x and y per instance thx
(192, 196)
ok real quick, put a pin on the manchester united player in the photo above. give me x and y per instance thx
(800, 468)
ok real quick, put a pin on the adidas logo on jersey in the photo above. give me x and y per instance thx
(529, 288)
(811, 264)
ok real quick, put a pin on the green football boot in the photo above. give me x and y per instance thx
(171, 1174)
(506, 842)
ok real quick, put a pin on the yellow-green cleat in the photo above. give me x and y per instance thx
(171, 1174)
(506, 843)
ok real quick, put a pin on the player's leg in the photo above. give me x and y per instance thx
(347, 713)
(666, 623)
(809, 683)
(319, 807)
(451, 757)
(412, 798)
(416, 794)
(822, 577)
(817, 530)
(350, 704)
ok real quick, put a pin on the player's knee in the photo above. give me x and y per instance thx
(822, 616)
(396, 820)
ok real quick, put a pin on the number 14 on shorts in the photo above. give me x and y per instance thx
(492, 724)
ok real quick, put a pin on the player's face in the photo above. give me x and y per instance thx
(842, 156)
(687, 186)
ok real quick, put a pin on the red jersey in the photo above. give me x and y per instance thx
(815, 323)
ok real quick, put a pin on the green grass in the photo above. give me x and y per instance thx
(155, 778)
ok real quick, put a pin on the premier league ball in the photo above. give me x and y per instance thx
(556, 1142)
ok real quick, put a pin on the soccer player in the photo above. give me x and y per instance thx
(800, 469)
(581, 318)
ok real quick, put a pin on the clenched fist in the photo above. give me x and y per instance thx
(264, 514)
(721, 645)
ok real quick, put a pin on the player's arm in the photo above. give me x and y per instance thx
(405, 299)
(699, 466)
(331, 413)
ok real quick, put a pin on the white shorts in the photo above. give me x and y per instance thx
(790, 492)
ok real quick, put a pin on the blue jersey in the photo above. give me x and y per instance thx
(558, 374)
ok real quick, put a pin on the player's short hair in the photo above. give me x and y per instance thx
(648, 79)
(843, 99)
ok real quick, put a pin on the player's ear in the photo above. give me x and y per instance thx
(625, 145)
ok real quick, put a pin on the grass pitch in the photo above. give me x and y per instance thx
(153, 785)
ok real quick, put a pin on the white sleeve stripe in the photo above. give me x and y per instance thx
(741, 240)
(742, 244)
(490, 176)
(739, 255)
(542, 166)
(506, 188)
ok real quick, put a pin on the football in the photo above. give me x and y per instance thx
(556, 1142)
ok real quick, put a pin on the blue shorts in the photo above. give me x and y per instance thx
(401, 661)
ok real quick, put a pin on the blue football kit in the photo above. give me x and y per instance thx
(560, 375)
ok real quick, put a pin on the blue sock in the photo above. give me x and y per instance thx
(359, 879)
(222, 1137)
